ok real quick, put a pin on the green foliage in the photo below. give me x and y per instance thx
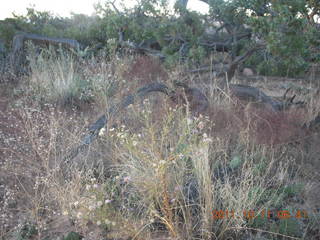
(290, 226)
(151, 21)
(283, 25)
(83, 28)
(293, 189)
(72, 236)
(26, 232)
(8, 28)
(236, 162)
(286, 27)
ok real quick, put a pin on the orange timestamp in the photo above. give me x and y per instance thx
(251, 214)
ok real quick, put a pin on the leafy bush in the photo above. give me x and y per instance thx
(287, 28)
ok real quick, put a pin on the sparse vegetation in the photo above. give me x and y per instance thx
(158, 170)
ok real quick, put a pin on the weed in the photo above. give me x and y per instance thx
(155, 170)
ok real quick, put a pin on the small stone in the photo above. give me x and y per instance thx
(248, 72)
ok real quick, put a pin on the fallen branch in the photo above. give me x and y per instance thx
(139, 47)
(198, 103)
(252, 94)
(94, 129)
(228, 69)
(18, 55)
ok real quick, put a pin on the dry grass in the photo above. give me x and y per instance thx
(156, 172)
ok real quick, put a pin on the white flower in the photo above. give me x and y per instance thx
(126, 179)
(102, 131)
(107, 201)
(79, 215)
(180, 155)
(134, 143)
(206, 139)
(119, 134)
(201, 125)
(98, 223)
(65, 213)
(76, 203)
(99, 203)
(162, 162)
(107, 221)
(111, 129)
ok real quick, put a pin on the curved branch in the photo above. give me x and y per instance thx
(193, 96)
(18, 56)
(235, 63)
(94, 129)
(136, 47)
(252, 94)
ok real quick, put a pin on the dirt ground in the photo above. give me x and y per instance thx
(13, 139)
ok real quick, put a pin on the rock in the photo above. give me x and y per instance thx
(248, 72)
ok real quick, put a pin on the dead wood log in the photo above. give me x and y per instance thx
(18, 55)
(196, 99)
(94, 129)
(198, 103)
(252, 94)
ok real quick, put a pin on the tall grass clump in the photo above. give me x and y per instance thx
(177, 174)
(62, 76)
(169, 173)
(156, 170)
(56, 76)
